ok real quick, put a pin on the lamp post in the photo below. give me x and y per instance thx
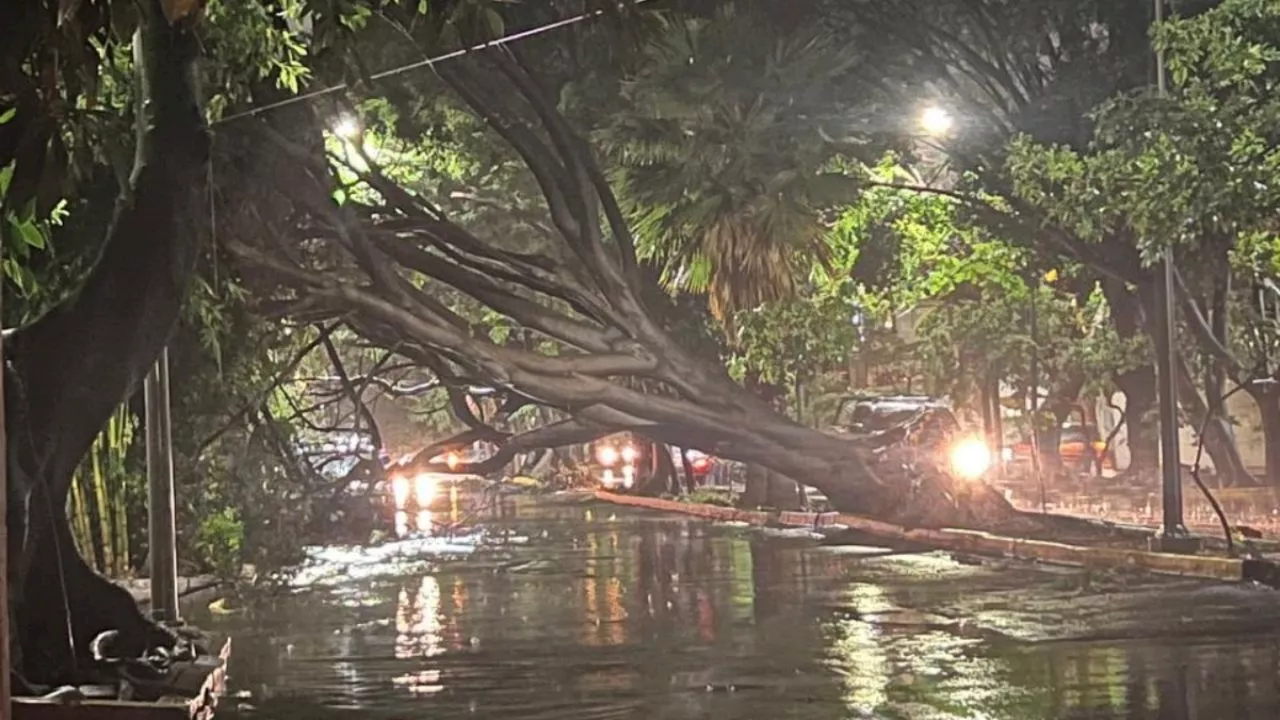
(1173, 535)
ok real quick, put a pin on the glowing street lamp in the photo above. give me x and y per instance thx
(935, 121)
(347, 127)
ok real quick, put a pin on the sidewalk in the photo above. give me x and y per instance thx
(1256, 508)
(1103, 555)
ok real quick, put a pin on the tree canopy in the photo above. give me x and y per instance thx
(383, 225)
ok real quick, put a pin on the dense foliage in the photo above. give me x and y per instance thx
(747, 156)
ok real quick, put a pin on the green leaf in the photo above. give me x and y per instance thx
(6, 177)
(493, 20)
(32, 235)
(7, 115)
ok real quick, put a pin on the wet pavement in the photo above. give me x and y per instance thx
(558, 609)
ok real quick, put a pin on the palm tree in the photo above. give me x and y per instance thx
(730, 148)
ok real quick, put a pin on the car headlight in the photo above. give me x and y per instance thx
(424, 487)
(970, 458)
(629, 454)
(400, 489)
(607, 455)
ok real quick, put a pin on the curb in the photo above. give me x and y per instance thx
(189, 587)
(970, 541)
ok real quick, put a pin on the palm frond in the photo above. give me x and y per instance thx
(720, 158)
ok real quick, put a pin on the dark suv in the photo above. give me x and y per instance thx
(924, 423)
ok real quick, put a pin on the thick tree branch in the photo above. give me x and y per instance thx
(525, 312)
(1203, 332)
(591, 184)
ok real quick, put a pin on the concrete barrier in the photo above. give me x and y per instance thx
(968, 541)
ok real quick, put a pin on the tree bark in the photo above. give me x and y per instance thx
(783, 492)
(1139, 388)
(1218, 442)
(1215, 380)
(687, 468)
(1138, 384)
(1269, 411)
(756, 493)
(69, 370)
(663, 479)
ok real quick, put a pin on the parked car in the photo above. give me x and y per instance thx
(1080, 448)
(410, 489)
(702, 464)
(618, 461)
(924, 422)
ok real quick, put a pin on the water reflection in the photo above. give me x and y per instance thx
(418, 634)
(425, 521)
(577, 612)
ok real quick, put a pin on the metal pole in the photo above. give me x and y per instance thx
(1035, 395)
(161, 532)
(1166, 365)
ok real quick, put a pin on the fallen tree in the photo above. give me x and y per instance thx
(382, 264)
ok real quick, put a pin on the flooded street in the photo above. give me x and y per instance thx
(566, 610)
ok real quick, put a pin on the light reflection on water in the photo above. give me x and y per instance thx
(569, 611)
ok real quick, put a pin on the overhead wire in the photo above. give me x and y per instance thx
(424, 63)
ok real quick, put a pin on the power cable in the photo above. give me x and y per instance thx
(419, 64)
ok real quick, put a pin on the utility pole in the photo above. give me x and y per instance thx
(162, 534)
(1173, 536)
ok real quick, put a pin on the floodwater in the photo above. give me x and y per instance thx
(565, 610)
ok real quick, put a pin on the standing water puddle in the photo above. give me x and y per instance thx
(567, 611)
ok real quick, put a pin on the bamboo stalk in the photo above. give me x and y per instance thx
(124, 440)
(79, 519)
(103, 514)
(99, 498)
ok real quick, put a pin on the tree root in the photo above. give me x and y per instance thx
(55, 646)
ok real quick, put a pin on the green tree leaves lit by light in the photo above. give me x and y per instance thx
(725, 176)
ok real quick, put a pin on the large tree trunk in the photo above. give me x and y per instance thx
(1139, 388)
(783, 492)
(1127, 310)
(68, 371)
(771, 489)
(1137, 384)
(1269, 411)
(756, 493)
(1218, 441)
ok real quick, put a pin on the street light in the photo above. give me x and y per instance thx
(1173, 534)
(936, 121)
(346, 127)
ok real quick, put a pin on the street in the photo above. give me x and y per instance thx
(561, 608)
